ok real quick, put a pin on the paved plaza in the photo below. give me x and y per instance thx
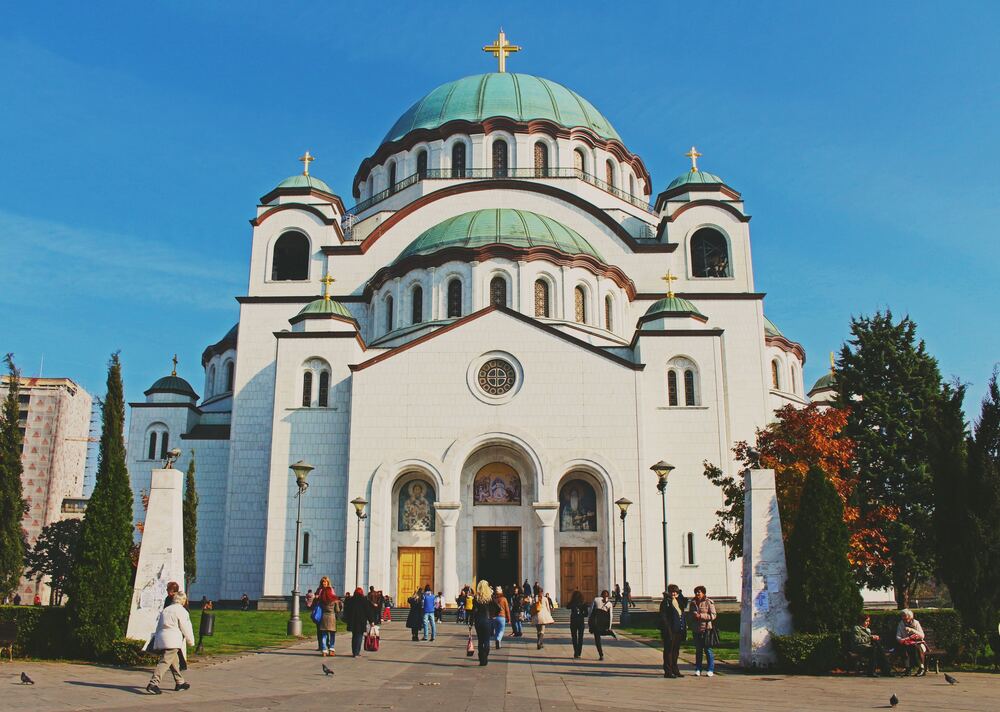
(438, 676)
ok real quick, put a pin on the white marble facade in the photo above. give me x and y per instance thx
(391, 399)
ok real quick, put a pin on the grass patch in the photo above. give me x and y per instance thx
(728, 648)
(239, 631)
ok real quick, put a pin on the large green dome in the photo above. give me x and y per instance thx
(522, 97)
(519, 228)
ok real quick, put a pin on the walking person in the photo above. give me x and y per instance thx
(173, 634)
(326, 630)
(600, 620)
(502, 617)
(358, 613)
(526, 588)
(439, 608)
(541, 611)
(460, 601)
(484, 612)
(429, 623)
(310, 597)
(470, 597)
(415, 616)
(578, 610)
(516, 611)
(703, 613)
(673, 629)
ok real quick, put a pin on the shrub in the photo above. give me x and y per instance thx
(807, 653)
(41, 631)
(129, 652)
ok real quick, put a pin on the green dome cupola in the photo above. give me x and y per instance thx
(517, 228)
(303, 179)
(325, 306)
(673, 304)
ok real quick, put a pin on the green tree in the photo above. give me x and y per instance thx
(13, 507)
(54, 554)
(190, 527)
(100, 586)
(894, 392)
(822, 593)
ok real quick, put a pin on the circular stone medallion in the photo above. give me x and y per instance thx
(496, 377)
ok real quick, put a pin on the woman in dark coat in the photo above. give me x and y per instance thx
(577, 620)
(484, 610)
(415, 618)
(358, 613)
(673, 629)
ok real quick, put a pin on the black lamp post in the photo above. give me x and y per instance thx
(623, 504)
(663, 470)
(301, 471)
(359, 509)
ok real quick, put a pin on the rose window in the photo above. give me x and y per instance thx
(496, 377)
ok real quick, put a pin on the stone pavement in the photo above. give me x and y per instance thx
(415, 677)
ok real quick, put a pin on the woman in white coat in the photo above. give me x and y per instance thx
(173, 631)
(541, 611)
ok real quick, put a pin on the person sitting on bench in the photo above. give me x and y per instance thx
(868, 646)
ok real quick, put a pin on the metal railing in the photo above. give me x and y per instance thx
(499, 174)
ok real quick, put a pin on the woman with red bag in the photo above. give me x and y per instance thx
(358, 613)
(327, 600)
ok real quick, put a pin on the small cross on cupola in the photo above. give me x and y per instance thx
(327, 281)
(306, 159)
(500, 49)
(694, 156)
(174, 371)
(670, 278)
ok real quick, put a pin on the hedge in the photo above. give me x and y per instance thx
(807, 653)
(42, 631)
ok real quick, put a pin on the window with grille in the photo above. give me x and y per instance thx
(164, 445)
(455, 298)
(672, 387)
(307, 389)
(710, 254)
(388, 314)
(579, 162)
(305, 547)
(230, 373)
(541, 298)
(417, 307)
(609, 173)
(422, 164)
(689, 557)
(774, 374)
(580, 303)
(392, 177)
(498, 292)
(541, 159)
(152, 445)
(608, 318)
(500, 158)
(458, 160)
(324, 389)
(690, 397)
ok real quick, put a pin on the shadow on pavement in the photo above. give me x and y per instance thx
(134, 689)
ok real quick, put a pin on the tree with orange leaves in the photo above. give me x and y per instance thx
(798, 439)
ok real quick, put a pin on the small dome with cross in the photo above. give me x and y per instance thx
(303, 179)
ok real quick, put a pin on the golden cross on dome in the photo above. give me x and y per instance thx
(833, 363)
(694, 156)
(501, 48)
(306, 159)
(327, 281)
(670, 278)
(174, 359)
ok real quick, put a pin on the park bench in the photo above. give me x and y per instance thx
(932, 656)
(8, 636)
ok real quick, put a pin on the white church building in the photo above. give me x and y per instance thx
(491, 348)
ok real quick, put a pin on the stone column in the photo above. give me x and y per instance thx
(447, 513)
(547, 513)
(763, 606)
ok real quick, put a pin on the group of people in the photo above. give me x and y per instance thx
(362, 613)
(489, 610)
(909, 636)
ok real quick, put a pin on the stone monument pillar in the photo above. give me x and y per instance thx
(547, 513)
(447, 513)
(161, 552)
(763, 606)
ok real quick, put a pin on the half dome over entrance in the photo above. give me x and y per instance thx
(522, 97)
(518, 228)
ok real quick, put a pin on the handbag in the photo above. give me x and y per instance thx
(712, 638)
(371, 643)
(470, 649)
(316, 614)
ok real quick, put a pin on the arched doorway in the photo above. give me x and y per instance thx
(582, 536)
(414, 537)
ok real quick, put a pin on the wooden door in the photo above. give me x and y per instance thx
(415, 569)
(578, 570)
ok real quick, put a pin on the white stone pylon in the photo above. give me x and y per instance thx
(161, 552)
(763, 606)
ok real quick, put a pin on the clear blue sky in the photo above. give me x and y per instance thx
(135, 141)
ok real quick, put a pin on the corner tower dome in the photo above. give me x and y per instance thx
(521, 97)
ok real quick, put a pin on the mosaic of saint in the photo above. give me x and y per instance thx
(416, 507)
(577, 507)
(496, 484)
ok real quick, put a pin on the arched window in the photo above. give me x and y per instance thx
(392, 177)
(500, 158)
(775, 381)
(690, 397)
(152, 445)
(631, 185)
(671, 387)
(579, 162)
(609, 304)
(417, 305)
(541, 159)
(164, 444)
(498, 292)
(791, 379)
(422, 164)
(307, 389)
(458, 160)
(305, 547)
(541, 298)
(230, 375)
(710, 254)
(689, 557)
(324, 389)
(609, 173)
(682, 371)
(455, 298)
(210, 385)
(580, 304)
(291, 257)
(388, 313)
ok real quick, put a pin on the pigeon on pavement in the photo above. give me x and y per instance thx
(25, 680)
(950, 680)
(893, 701)
(326, 670)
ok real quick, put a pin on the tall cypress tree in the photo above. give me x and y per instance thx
(893, 389)
(12, 504)
(190, 527)
(822, 593)
(100, 587)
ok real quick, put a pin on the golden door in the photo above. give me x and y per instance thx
(577, 571)
(415, 569)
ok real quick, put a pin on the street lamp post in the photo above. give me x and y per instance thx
(663, 470)
(301, 471)
(623, 504)
(359, 509)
